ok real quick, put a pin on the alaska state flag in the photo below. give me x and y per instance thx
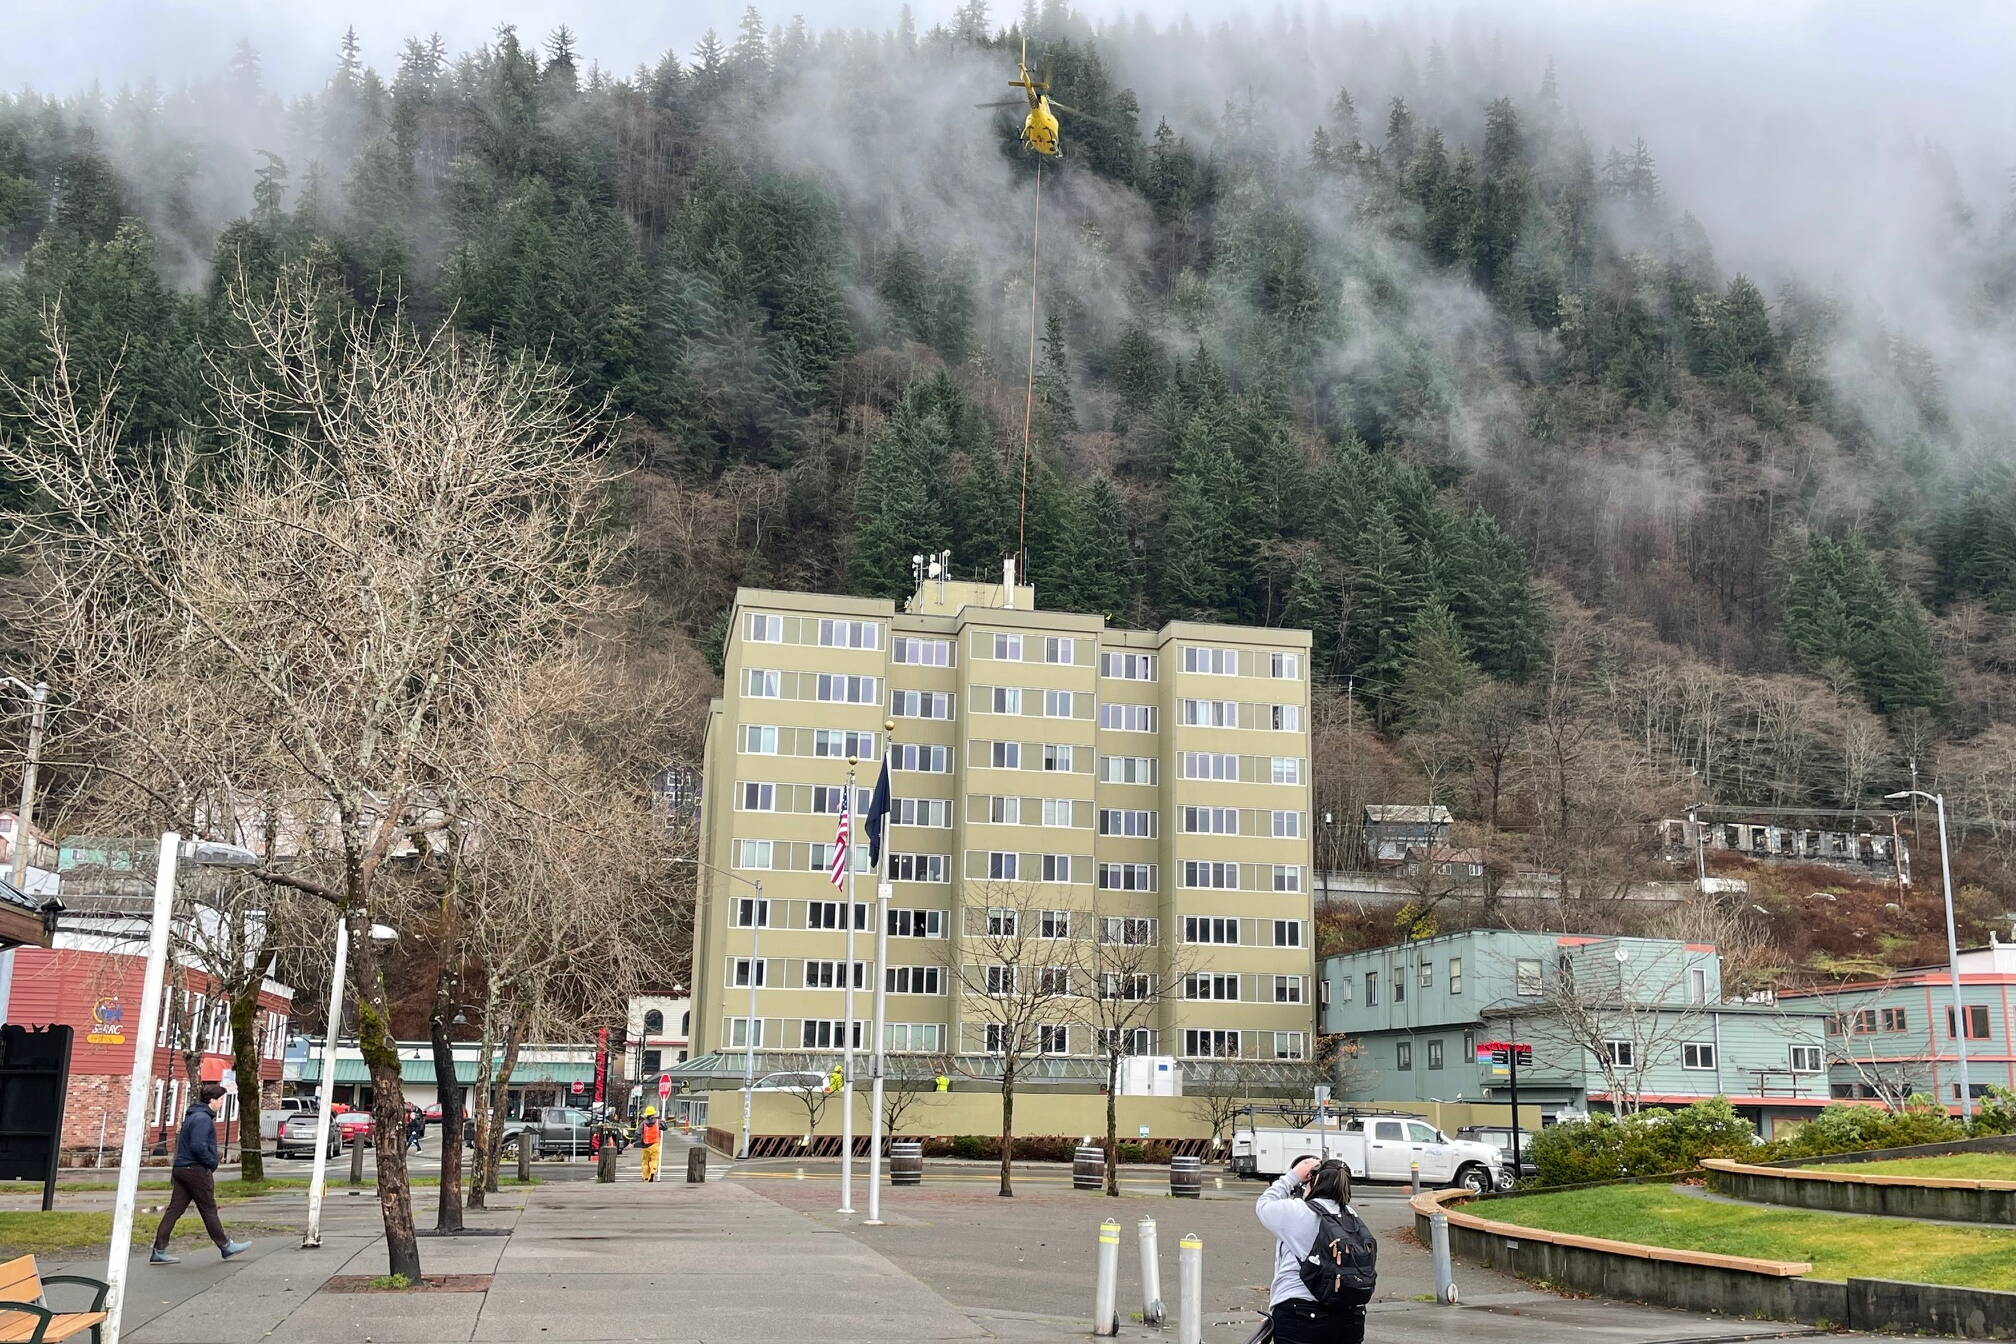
(878, 814)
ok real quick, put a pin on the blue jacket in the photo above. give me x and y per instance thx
(196, 1145)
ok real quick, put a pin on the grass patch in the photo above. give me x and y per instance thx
(1960, 1166)
(63, 1233)
(1839, 1245)
(390, 1282)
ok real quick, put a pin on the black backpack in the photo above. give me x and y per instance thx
(1343, 1263)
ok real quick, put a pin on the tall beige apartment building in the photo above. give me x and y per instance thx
(1132, 784)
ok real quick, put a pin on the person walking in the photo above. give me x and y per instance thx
(416, 1127)
(1325, 1258)
(649, 1140)
(195, 1179)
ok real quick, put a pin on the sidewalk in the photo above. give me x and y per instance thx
(756, 1261)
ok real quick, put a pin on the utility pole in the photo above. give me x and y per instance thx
(24, 815)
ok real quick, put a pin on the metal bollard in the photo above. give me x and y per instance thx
(525, 1147)
(1106, 1292)
(1445, 1273)
(1190, 1280)
(605, 1164)
(696, 1166)
(1152, 1311)
(1414, 1176)
(357, 1160)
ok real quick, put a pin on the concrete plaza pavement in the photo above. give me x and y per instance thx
(760, 1254)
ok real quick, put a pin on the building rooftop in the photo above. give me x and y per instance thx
(1408, 815)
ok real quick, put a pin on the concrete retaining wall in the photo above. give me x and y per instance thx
(1995, 1143)
(1893, 1196)
(1696, 1281)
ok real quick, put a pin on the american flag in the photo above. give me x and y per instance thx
(843, 840)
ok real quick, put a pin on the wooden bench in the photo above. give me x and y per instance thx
(24, 1318)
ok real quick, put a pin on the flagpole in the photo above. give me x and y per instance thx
(876, 1063)
(847, 1025)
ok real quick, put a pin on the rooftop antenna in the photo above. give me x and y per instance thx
(941, 569)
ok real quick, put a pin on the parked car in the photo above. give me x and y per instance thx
(1373, 1147)
(297, 1136)
(1500, 1137)
(270, 1120)
(791, 1082)
(556, 1131)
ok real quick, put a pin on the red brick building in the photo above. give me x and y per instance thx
(97, 994)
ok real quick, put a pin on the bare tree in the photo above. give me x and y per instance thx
(909, 1084)
(813, 1099)
(1215, 1094)
(375, 534)
(1627, 1013)
(1013, 968)
(1124, 975)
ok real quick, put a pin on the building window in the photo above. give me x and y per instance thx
(1287, 989)
(1131, 930)
(916, 756)
(1288, 1045)
(918, 868)
(1805, 1059)
(1002, 922)
(917, 923)
(1056, 812)
(912, 1037)
(923, 652)
(1469, 1045)
(822, 1034)
(1864, 1022)
(1211, 662)
(765, 628)
(1004, 810)
(1001, 981)
(1135, 822)
(1284, 666)
(765, 683)
(1127, 770)
(1455, 975)
(1057, 756)
(1053, 1040)
(1003, 866)
(921, 705)
(1527, 978)
(1008, 648)
(1621, 1054)
(1054, 924)
(1371, 989)
(1208, 713)
(1210, 929)
(1697, 1055)
(745, 1032)
(1284, 718)
(1057, 868)
(1697, 984)
(1287, 933)
(1127, 718)
(1434, 1054)
(1287, 770)
(747, 972)
(1004, 755)
(1210, 876)
(1400, 985)
(850, 634)
(1896, 1019)
(759, 797)
(1219, 765)
(996, 1039)
(1200, 1044)
(751, 913)
(832, 686)
(1127, 877)
(1210, 821)
(1059, 649)
(1403, 1056)
(915, 980)
(759, 739)
(1127, 1041)
(1005, 699)
(1287, 877)
(1427, 973)
(1287, 825)
(753, 853)
(834, 742)
(936, 812)
(1127, 666)
(1977, 1021)
(1204, 985)
(833, 914)
(653, 1061)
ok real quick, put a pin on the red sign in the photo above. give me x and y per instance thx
(664, 1086)
(578, 1088)
(1521, 1047)
(601, 1064)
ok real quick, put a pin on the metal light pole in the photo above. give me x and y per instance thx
(318, 1180)
(1938, 801)
(24, 815)
(121, 1249)
(847, 1014)
(755, 969)
(877, 1064)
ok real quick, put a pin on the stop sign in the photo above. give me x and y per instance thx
(664, 1086)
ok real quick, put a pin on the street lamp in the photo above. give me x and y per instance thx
(200, 854)
(758, 914)
(24, 815)
(1938, 801)
(332, 1027)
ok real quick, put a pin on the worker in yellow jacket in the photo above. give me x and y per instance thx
(649, 1138)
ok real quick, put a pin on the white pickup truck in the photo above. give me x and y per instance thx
(1374, 1147)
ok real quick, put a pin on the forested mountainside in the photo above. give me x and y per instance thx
(1346, 332)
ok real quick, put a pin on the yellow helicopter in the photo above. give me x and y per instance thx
(1039, 128)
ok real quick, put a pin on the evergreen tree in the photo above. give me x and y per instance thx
(1436, 671)
(1198, 562)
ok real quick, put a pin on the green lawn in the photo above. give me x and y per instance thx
(65, 1235)
(1964, 1166)
(1839, 1245)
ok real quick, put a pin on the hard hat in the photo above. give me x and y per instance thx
(650, 1110)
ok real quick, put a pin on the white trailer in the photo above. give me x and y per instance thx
(1372, 1147)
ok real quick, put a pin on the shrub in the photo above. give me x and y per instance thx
(971, 1146)
(1645, 1143)
(1994, 1113)
(1856, 1129)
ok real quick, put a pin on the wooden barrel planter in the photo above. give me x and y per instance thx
(1088, 1169)
(906, 1163)
(1186, 1177)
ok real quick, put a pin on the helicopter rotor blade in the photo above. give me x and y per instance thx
(1067, 108)
(1004, 102)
